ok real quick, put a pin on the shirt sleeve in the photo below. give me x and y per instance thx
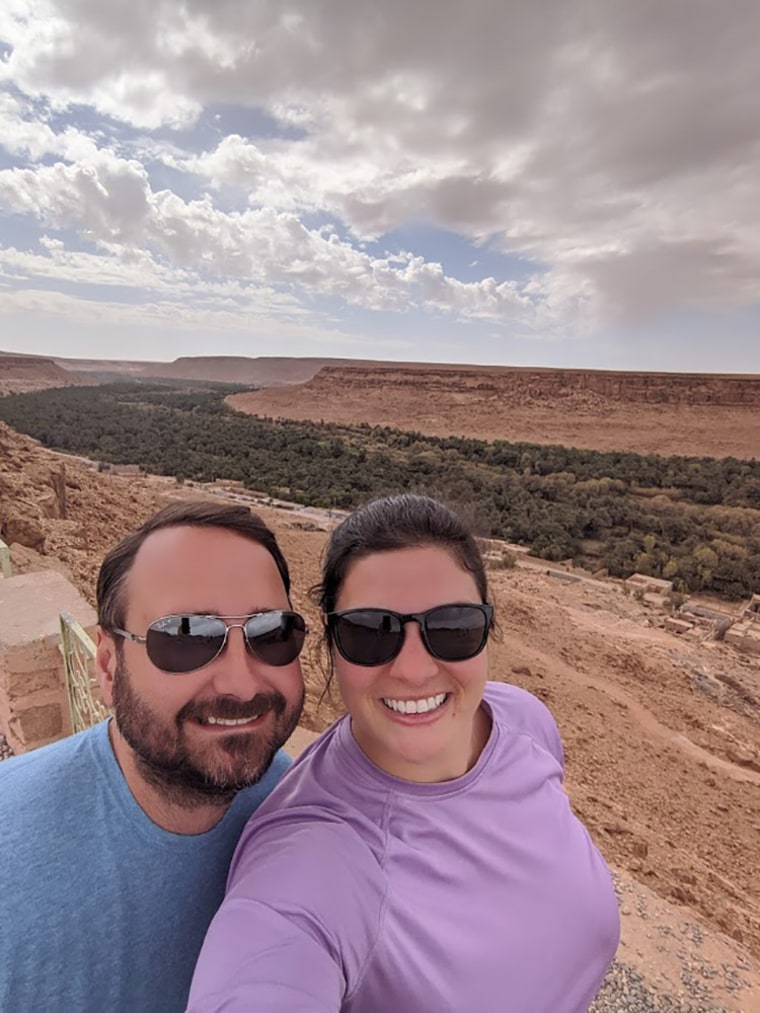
(300, 919)
(255, 958)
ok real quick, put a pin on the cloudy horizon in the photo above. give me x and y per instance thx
(512, 183)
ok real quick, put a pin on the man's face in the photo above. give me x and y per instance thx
(165, 717)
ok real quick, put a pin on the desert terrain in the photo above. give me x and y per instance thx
(661, 732)
(647, 413)
(20, 373)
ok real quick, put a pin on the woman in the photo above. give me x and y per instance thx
(421, 855)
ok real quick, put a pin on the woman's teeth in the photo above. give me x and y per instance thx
(428, 703)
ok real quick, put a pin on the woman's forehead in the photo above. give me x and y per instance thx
(415, 574)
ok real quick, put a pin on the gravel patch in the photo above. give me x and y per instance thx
(625, 991)
(670, 963)
(5, 749)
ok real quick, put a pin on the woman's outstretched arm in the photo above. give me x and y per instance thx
(298, 924)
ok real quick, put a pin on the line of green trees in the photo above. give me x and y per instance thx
(695, 521)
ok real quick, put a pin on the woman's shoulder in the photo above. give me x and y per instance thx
(319, 820)
(330, 780)
(317, 870)
(520, 712)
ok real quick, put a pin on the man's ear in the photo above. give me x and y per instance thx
(105, 664)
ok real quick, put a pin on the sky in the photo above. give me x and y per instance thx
(512, 182)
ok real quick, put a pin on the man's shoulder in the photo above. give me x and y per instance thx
(32, 776)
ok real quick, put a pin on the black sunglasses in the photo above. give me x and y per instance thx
(185, 643)
(372, 636)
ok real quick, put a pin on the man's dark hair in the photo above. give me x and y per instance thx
(397, 522)
(187, 513)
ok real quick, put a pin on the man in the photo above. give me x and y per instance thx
(115, 843)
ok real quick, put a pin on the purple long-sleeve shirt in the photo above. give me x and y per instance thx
(354, 891)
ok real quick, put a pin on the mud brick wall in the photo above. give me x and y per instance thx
(34, 707)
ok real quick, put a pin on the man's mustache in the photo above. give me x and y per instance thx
(232, 709)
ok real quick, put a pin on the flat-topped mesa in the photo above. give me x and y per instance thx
(11, 364)
(545, 384)
(21, 373)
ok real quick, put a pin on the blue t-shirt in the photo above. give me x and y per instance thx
(102, 910)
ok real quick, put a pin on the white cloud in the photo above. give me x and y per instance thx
(107, 197)
(612, 144)
(111, 201)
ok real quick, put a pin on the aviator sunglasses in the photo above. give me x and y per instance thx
(374, 636)
(185, 643)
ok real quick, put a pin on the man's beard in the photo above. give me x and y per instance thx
(188, 774)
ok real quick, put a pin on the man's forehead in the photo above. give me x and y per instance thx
(181, 540)
(184, 558)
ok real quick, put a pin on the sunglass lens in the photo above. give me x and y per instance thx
(368, 636)
(456, 632)
(276, 638)
(184, 643)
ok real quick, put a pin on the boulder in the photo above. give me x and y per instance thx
(23, 529)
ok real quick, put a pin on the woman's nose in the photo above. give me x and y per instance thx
(413, 663)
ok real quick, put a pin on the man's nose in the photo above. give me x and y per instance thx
(413, 663)
(236, 671)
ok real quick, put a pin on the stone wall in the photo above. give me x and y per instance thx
(34, 706)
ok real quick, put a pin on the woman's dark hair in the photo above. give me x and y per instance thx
(396, 522)
(190, 513)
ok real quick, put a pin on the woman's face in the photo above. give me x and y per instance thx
(444, 740)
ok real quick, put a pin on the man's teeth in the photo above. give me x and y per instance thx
(230, 722)
(430, 703)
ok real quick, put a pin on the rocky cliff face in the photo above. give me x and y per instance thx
(19, 374)
(550, 384)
